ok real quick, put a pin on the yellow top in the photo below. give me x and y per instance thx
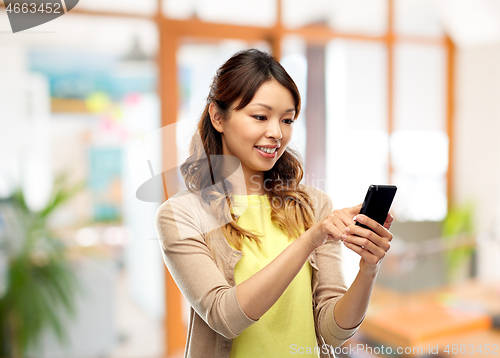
(289, 323)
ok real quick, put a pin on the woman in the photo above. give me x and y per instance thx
(257, 254)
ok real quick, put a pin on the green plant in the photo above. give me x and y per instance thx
(458, 223)
(41, 282)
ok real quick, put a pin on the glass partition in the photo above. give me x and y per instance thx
(357, 137)
(419, 143)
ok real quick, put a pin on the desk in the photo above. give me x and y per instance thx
(473, 294)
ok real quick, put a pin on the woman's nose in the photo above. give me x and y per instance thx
(274, 130)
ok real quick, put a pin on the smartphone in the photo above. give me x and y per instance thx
(378, 201)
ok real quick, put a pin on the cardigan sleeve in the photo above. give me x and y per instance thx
(192, 266)
(331, 282)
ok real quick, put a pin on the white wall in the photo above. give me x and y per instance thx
(477, 131)
(476, 174)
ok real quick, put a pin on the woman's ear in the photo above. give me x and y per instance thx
(215, 118)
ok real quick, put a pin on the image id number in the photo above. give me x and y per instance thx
(471, 349)
(48, 8)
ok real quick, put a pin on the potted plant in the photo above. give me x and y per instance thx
(458, 224)
(40, 282)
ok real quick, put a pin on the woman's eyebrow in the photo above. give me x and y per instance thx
(271, 108)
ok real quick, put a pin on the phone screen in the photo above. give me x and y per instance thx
(377, 203)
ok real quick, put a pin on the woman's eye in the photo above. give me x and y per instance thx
(263, 118)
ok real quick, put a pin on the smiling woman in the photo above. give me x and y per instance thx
(252, 103)
(261, 264)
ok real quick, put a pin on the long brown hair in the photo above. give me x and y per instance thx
(239, 79)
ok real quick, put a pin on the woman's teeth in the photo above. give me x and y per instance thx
(268, 150)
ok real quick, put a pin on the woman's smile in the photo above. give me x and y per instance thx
(267, 152)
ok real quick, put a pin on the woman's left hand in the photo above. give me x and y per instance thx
(370, 245)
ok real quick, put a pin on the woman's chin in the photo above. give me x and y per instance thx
(263, 168)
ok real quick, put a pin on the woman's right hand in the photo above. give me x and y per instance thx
(333, 226)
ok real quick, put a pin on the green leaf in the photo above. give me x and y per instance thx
(458, 222)
(41, 291)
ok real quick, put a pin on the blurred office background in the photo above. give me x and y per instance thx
(394, 91)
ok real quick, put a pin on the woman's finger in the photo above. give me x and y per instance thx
(388, 221)
(375, 226)
(347, 218)
(354, 210)
(331, 227)
(364, 244)
(336, 220)
(382, 242)
(365, 254)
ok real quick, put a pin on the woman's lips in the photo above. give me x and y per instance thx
(267, 155)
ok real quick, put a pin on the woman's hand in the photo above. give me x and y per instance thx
(370, 245)
(333, 226)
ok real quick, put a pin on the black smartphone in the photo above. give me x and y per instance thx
(378, 201)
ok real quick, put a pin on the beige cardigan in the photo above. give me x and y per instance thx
(203, 268)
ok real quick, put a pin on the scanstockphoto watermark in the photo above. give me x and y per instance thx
(284, 184)
(157, 178)
(27, 14)
(355, 350)
(154, 176)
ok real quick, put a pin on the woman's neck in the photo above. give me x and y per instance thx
(253, 185)
(244, 181)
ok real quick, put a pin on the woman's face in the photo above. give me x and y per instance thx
(267, 121)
